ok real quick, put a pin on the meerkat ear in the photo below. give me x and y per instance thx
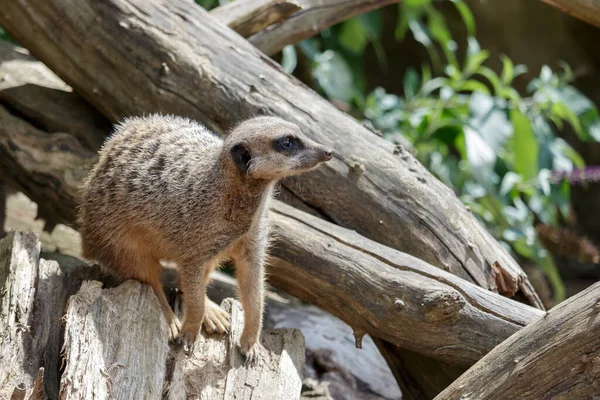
(241, 156)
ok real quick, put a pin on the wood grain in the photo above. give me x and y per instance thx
(557, 357)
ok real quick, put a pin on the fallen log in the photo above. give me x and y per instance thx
(373, 288)
(557, 357)
(30, 88)
(140, 57)
(111, 352)
(277, 23)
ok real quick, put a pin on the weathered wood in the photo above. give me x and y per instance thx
(133, 56)
(43, 165)
(116, 347)
(557, 357)
(585, 10)
(115, 343)
(29, 317)
(277, 23)
(3, 195)
(360, 281)
(251, 16)
(324, 335)
(216, 371)
(316, 16)
(396, 294)
(29, 87)
(419, 377)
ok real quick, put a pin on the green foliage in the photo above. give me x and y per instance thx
(474, 131)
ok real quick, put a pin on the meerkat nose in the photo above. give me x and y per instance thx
(328, 155)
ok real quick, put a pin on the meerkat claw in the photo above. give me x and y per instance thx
(252, 352)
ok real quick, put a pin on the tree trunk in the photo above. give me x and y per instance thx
(557, 357)
(131, 57)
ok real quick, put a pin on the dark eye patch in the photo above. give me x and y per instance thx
(287, 144)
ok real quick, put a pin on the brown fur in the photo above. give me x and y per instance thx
(165, 188)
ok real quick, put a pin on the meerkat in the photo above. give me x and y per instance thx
(167, 189)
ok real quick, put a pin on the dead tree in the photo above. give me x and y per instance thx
(169, 56)
(557, 357)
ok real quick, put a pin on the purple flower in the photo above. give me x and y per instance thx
(577, 176)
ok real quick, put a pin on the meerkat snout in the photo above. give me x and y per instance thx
(271, 148)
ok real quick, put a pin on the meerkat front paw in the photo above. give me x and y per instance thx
(186, 340)
(216, 320)
(252, 352)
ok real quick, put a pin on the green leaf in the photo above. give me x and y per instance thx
(508, 70)
(466, 15)
(563, 112)
(559, 146)
(525, 146)
(289, 60)
(371, 23)
(508, 182)
(474, 61)
(544, 180)
(473, 86)
(480, 155)
(334, 76)
(521, 247)
(491, 76)
(490, 120)
(411, 83)
(548, 267)
(353, 36)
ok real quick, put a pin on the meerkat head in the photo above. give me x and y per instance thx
(271, 148)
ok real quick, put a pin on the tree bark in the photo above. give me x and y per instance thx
(106, 354)
(557, 357)
(251, 16)
(307, 19)
(585, 10)
(131, 56)
(31, 307)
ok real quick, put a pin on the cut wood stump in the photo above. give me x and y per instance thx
(116, 347)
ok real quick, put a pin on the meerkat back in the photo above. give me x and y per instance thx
(141, 165)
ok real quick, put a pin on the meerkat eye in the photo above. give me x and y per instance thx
(286, 143)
